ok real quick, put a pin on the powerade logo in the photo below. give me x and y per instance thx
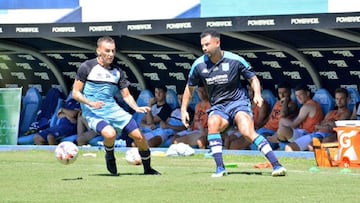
(348, 19)
(27, 57)
(80, 56)
(272, 64)
(152, 76)
(25, 66)
(162, 56)
(188, 56)
(160, 66)
(137, 56)
(176, 26)
(56, 56)
(265, 75)
(219, 24)
(103, 28)
(3, 66)
(344, 53)
(178, 75)
(355, 73)
(70, 74)
(262, 22)
(63, 29)
(298, 63)
(27, 29)
(331, 75)
(292, 74)
(304, 21)
(75, 64)
(315, 54)
(42, 75)
(277, 54)
(338, 63)
(250, 55)
(139, 27)
(186, 66)
(19, 75)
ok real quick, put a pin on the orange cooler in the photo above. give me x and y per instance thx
(348, 132)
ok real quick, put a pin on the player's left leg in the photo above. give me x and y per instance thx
(134, 132)
(245, 125)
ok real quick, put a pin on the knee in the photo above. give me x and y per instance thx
(109, 133)
(288, 148)
(38, 140)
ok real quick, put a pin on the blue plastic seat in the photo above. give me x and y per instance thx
(30, 107)
(269, 97)
(354, 97)
(325, 99)
(142, 100)
(194, 100)
(171, 99)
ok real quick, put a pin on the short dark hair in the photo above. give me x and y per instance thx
(161, 87)
(342, 90)
(212, 33)
(284, 84)
(302, 87)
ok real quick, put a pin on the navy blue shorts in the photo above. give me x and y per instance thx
(62, 130)
(228, 111)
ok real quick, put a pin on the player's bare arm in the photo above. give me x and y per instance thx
(255, 85)
(185, 118)
(129, 99)
(78, 96)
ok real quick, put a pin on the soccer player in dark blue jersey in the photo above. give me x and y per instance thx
(219, 72)
(96, 84)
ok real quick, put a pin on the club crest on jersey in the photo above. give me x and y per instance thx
(225, 66)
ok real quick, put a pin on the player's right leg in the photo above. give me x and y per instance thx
(109, 134)
(216, 124)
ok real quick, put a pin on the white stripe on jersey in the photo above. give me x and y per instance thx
(100, 74)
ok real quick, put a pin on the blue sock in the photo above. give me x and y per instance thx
(263, 145)
(215, 143)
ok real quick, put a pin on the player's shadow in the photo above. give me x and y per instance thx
(260, 173)
(72, 179)
(119, 174)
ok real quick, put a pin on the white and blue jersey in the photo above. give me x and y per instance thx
(222, 82)
(102, 84)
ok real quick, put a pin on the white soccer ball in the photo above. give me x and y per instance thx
(66, 152)
(133, 157)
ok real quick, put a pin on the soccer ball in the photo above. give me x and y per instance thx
(66, 152)
(133, 157)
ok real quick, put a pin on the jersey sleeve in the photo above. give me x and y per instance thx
(246, 69)
(193, 78)
(165, 112)
(123, 82)
(83, 71)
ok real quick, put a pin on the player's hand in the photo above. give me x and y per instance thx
(185, 118)
(97, 104)
(258, 100)
(143, 109)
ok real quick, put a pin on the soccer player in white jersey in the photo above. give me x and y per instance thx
(96, 83)
(219, 72)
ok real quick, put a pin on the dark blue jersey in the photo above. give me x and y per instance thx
(221, 80)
